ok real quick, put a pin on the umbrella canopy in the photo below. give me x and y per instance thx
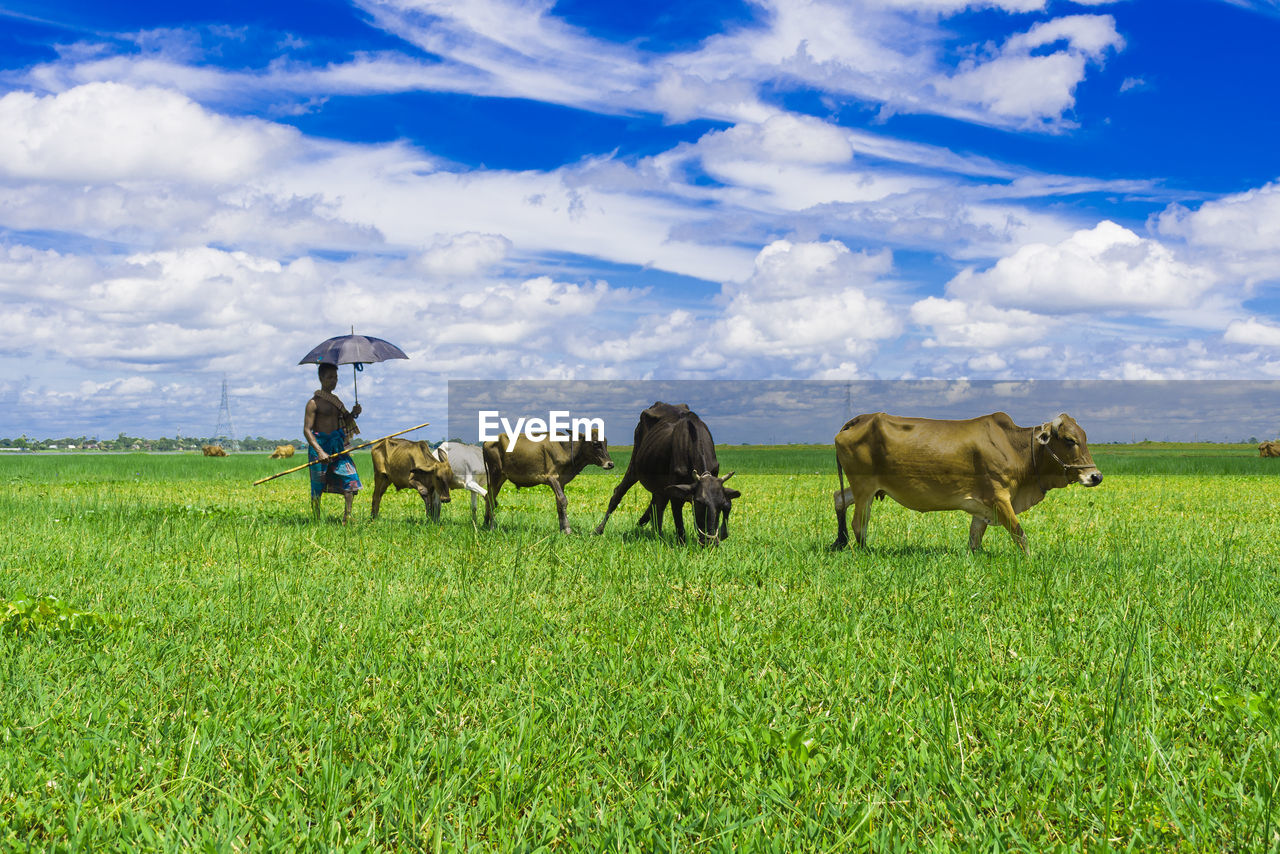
(355, 350)
(352, 350)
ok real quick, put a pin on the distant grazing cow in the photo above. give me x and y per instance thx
(1269, 449)
(410, 465)
(545, 463)
(675, 459)
(213, 451)
(989, 467)
(282, 452)
(467, 464)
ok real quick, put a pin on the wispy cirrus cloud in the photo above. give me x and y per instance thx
(893, 54)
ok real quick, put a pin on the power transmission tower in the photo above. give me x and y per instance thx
(224, 434)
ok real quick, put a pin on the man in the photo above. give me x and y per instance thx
(328, 427)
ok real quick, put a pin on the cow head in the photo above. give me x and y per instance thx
(592, 452)
(1062, 452)
(431, 478)
(711, 501)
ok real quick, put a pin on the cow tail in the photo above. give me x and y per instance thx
(840, 473)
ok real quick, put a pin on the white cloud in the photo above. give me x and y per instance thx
(889, 52)
(807, 301)
(782, 138)
(463, 255)
(955, 323)
(652, 341)
(1106, 268)
(1252, 332)
(1241, 232)
(1019, 86)
(109, 132)
(127, 387)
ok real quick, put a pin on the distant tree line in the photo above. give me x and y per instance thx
(125, 442)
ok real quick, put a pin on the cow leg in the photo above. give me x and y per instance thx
(977, 528)
(1009, 519)
(491, 497)
(562, 504)
(620, 490)
(380, 484)
(476, 491)
(842, 500)
(862, 517)
(657, 509)
(677, 516)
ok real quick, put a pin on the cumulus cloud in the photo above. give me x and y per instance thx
(1105, 268)
(782, 138)
(1239, 233)
(1025, 87)
(808, 301)
(109, 132)
(977, 326)
(1252, 332)
(463, 255)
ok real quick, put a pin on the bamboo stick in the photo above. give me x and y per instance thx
(343, 451)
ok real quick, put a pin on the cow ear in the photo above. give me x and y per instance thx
(1043, 434)
(732, 494)
(679, 491)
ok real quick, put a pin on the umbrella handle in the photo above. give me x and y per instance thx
(355, 383)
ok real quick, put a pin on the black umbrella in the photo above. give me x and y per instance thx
(355, 350)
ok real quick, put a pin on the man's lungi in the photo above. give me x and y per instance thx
(339, 473)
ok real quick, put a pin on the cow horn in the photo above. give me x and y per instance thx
(729, 475)
(696, 476)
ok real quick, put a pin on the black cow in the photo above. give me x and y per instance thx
(675, 459)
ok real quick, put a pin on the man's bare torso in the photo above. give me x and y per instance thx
(326, 417)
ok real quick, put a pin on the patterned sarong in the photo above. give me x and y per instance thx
(339, 473)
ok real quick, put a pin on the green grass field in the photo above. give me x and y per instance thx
(241, 678)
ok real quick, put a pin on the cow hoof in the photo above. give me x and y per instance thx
(838, 546)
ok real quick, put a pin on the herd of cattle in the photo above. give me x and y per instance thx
(988, 467)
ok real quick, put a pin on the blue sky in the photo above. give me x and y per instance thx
(1012, 189)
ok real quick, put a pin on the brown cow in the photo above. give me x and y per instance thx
(545, 463)
(405, 464)
(282, 452)
(1269, 449)
(989, 467)
(213, 451)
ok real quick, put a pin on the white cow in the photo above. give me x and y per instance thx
(467, 462)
